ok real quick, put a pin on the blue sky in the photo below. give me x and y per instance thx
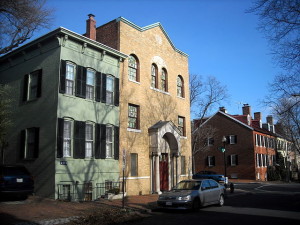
(219, 37)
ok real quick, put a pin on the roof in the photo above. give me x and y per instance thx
(142, 29)
(71, 34)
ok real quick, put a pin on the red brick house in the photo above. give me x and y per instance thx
(249, 145)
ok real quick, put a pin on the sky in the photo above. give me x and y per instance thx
(221, 39)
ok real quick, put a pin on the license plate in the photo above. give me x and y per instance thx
(19, 180)
(168, 203)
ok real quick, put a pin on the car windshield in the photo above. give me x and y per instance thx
(188, 185)
(10, 171)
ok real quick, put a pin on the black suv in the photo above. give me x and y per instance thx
(15, 181)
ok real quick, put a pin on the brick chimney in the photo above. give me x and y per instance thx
(270, 120)
(257, 116)
(223, 109)
(91, 27)
(246, 109)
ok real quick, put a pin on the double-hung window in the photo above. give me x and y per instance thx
(89, 140)
(30, 143)
(133, 116)
(183, 170)
(109, 90)
(181, 125)
(109, 141)
(32, 85)
(90, 83)
(164, 80)
(180, 87)
(153, 76)
(133, 68)
(133, 164)
(233, 160)
(211, 161)
(67, 138)
(232, 139)
(70, 77)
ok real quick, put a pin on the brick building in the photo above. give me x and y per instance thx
(154, 105)
(249, 145)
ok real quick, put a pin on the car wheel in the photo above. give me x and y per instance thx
(196, 204)
(221, 200)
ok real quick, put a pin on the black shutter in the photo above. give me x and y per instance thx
(60, 137)
(117, 92)
(235, 139)
(79, 140)
(98, 86)
(39, 83)
(62, 87)
(36, 142)
(102, 141)
(25, 87)
(116, 143)
(80, 82)
(213, 161)
(206, 161)
(236, 160)
(97, 141)
(103, 88)
(229, 160)
(22, 144)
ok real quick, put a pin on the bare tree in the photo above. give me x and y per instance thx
(280, 22)
(205, 95)
(19, 19)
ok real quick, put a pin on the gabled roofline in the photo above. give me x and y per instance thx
(229, 117)
(62, 30)
(142, 29)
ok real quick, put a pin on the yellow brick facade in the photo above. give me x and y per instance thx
(152, 45)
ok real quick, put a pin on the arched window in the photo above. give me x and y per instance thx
(180, 86)
(164, 80)
(153, 76)
(133, 68)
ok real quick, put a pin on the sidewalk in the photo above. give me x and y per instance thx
(36, 210)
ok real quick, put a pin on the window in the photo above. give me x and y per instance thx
(70, 77)
(154, 76)
(134, 164)
(233, 160)
(180, 87)
(109, 141)
(30, 143)
(90, 83)
(164, 80)
(210, 141)
(183, 170)
(211, 161)
(67, 137)
(109, 90)
(89, 140)
(181, 125)
(133, 116)
(133, 68)
(232, 139)
(32, 85)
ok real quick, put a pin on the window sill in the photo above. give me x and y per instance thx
(134, 130)
(160, 91)
(183, 137)
(181, 97)
(134, 81)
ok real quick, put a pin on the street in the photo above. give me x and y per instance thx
(262, 204)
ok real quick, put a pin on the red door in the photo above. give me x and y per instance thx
(164, 173)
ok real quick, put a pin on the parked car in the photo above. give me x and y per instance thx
(209, 175)
(193, 194)
(15, 180)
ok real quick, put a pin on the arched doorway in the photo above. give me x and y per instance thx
(164, 153)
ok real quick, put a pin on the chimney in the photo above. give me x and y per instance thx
(257, 116)
(91, 27)
(270, 120)
(246, 109)
(223, 109)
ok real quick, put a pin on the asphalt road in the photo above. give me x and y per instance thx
(259, 204)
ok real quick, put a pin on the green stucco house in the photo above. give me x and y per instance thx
(65, 114)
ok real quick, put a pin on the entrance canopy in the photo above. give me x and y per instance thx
(162, 131)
